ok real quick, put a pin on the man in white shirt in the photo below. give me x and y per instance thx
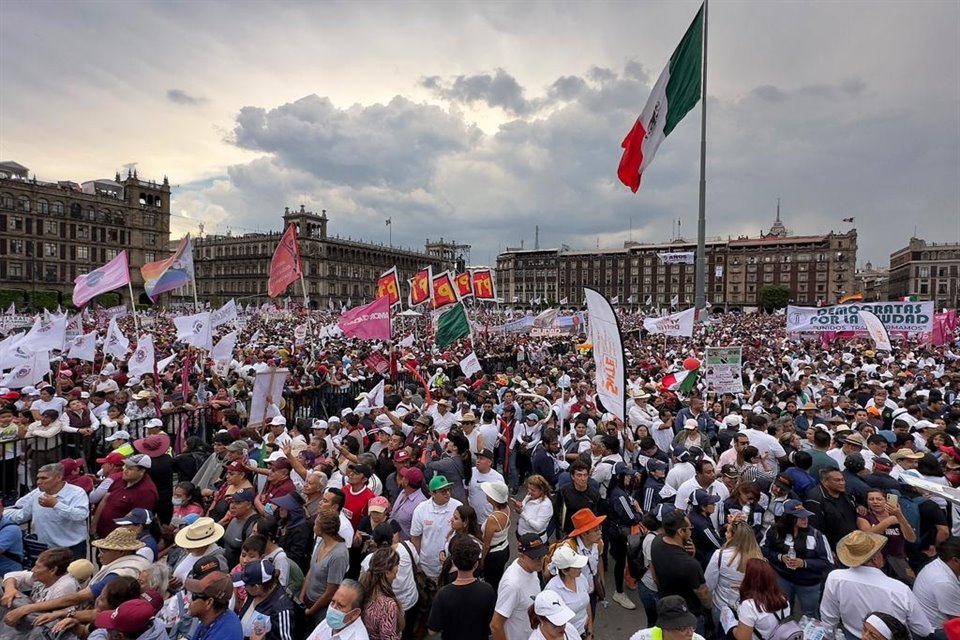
(937, 586)
(706, 479)
(771, 452)
(343, 615)
(483, 472)
(519, 586)
(443, 417)
(431, 524)
(683, 469)
(640, 412)
(850, 595)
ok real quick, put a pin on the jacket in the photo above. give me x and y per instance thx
(280, 608)
(835, 517)
(11, 546)
(817, 555)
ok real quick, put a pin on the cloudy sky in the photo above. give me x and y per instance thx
(480, 120)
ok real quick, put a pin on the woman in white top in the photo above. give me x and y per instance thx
(724, 572)
(552, 618)
(405, 584)
(536, 510)
(763, 604)
(571, 585)
(496, 530)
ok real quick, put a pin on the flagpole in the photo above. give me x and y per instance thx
(700, 277)
(196, 300)
(133, 307)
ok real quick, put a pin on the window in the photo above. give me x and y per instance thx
(150, 239)
(23, 203)
(56, 208)
(43, 206)
(15, 269)
(923, 272)
(111, 254)
(50, 249)
(149, 256)
(50, 272)
(15, 223)
(16, 246)
(6, 201)
(83, 232)
(50, 227)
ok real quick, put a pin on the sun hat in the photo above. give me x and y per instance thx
(673, 613)
(566, 558)
(583, 520)
(378, 504)
(216, 585)
(138, 460)
(200, 534)
(855, 439)
(550, 605)
(120, 539)
(258, 572)
(413, 475)
(809, 406)
(132, 617)
(118, 435)
(153, 446)
(496, 491)
(857, 547)
(532, 546)
(906, 454)
(438, 482)
(136, 516)
(468, 417)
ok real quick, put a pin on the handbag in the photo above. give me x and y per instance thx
(426, 590)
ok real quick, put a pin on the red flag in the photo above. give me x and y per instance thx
(444, 291)
(389, 285)
(483, 287)
(464, 285)
(421, 287)
(369, 322)
(285, 265)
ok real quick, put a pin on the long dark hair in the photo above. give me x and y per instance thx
(784, 527)
(463, 448)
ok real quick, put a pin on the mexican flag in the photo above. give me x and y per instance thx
(676, 92)
(451, 325)
(682, 381)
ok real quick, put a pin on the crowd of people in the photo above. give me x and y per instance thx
(509, 504)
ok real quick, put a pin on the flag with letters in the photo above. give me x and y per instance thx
(444, 291)
(464, 285)
(389, 285)
(421, 287)
(483, 285)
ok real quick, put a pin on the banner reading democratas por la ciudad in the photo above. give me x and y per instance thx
(369, 322)
(912, 317)
(611, 377)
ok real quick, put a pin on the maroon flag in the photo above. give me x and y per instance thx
(369, 322)
(285, 265)
(377, 362)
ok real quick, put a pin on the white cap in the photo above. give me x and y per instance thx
(29, 391)
(549, 605)
(278, 421)
(690, 423)
(119, 435)
(346, 412)
(154, 423)
(276, 455)
(733, 420)
(566, 558)
(319, 424)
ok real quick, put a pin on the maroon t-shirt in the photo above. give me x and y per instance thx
(120, 499)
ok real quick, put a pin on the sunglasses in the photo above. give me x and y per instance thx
(199, 596)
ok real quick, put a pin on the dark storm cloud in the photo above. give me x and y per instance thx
(498, 90)
(179, 96)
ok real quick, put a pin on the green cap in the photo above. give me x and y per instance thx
(438, 482)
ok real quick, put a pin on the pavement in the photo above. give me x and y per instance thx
(614, 622)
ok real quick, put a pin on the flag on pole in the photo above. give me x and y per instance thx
(223, 315)
(421, 287)
(406, 342)
(83, 347)
(171, 273)
(223, 352)
(470, 364)
(166, 362)
(877, 331)
(682, 381)
(611, 372)
(615, 300)
(368, 322)
(563, 300)
(675, 300)
(47, 334)
(285, 265)
(11, 354)
(12, 309)
(143, 360)
(388, 284)
(676, 92)
(484, 287)
(451, 325)
(444, 291)
(464, 285)
(29, 372)
(113, 275)
(115, 344)
(195, 330)
(648, 301)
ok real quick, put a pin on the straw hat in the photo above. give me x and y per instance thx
(857, 547)
(200, 534)
(120, 539)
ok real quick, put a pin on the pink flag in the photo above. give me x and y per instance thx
(369, 322)
(110, 276)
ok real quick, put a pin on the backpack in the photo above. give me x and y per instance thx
(786, 629)
(426, 589)
(602, 507)
(294, 581)
(636, 561)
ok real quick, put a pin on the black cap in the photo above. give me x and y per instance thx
(485, 453)
(532, 545)
(673, 613)
(206, 565)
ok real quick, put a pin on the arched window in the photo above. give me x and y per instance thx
(6, 201)
(23, 203)
(43, 206)
(56, 208)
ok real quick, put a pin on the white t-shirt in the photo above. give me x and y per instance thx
(768, 446)
(577, 601)
(405, 584)
(477, 498)
(432, 524)
(517, 590)
(762, 622)
(569, 633)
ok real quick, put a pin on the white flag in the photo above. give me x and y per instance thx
(226, 313)
(74, 326)
(163, 364)
(470, 365)
(563, 301)
(677, 324)
(12, 309)
(630, 300)
(675, 300)
(373, 400)
(406, 342)
(255, 337)
(83, 347)
(115, 344)
(11, 355)
(615, 300)
(47, 334)
(877, 331)
(29, 372)
(649, 301)
(195, 330)
(223, 352)
(142, 360)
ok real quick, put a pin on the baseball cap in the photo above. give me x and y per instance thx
(136, 516)
(138, 460)
(216, 585)
(71, 464)
(118, 435)
(258, 572)
(206, 565)
(532, 416)
(485, 453)
(282, 463)
(112, 458)
(154, 423)
(701, 498)
(729, 471)
(549, 605)
(795, 508)
(402, 455)
(438, 482)
(378, 504)
(531, 545)
(131, 617)
(278, 421)
(153, 598)
(673, 613)
(413, 475)
(244, 495)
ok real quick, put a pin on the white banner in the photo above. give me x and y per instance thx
(115, 344)
(10, 322)
(876, 330)
(195, 330)
(267, 384)
(118, 311)
(724, 369)
(611, 376)
(83, 347)
(680, 257)
(470, 365)
(677, 324)
(142, 360)
(913, 317)
(226, 313)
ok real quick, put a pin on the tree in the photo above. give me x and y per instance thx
(774, 297)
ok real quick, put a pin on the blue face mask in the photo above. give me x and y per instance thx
(336, 620)
(177, 502)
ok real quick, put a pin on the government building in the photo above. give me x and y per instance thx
(50, 232)
(927, 271)
(336, 271)
(817, 269)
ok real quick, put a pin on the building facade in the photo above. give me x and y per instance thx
(926, 271)
(817, 270)
(336, 271)
(50, 232)
(873, 283)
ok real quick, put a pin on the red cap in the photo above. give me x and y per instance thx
(413, 475)
(112, 458)
(70, 465)
(402, 455)
(131, 617)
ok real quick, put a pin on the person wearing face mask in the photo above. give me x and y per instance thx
(343, 615)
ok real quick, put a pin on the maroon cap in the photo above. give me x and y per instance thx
(70, 465)
(281, 463)
(131, 617)
(413, 475)
(402, 455)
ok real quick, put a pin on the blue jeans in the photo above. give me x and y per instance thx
(648, 599)
(809, 597)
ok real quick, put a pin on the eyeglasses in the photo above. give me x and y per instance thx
(199, 596)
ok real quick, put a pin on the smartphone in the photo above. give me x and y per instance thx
(893, 499)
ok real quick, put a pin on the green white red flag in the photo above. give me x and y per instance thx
(682, 381)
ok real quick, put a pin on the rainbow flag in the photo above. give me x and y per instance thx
(169, 274)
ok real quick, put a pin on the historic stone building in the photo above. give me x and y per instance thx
(926, 271)
(337, 271)
(817, 269)
(873, 283)
(50, 232)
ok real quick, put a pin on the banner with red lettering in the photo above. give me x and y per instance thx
(444, 291)
(421, 287)
(389, 285)
(369, 322)
(483, 286)
(464, 285)
(377, 362)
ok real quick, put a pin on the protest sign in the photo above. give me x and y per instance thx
(268, 384)
(724, 369)
(912, 317)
